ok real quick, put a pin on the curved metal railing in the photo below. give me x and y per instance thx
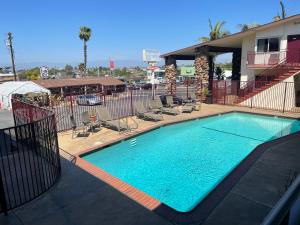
(29, 156)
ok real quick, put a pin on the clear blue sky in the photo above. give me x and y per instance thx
(47, 31)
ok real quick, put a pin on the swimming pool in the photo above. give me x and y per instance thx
(180, 164)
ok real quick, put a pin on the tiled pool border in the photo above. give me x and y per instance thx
(203, 209)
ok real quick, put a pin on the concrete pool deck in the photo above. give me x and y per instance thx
(81, 198)
(79, 145)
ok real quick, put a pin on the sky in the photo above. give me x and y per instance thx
(47, 31)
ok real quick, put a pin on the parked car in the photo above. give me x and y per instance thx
(133, 87)
(89, 100)
(176, 100)
(148, 86)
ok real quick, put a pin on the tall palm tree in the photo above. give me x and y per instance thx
(216, 31)
(283, 12)
(245, 27)
(85, 35)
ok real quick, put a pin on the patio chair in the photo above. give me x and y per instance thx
(154, 108)
(159, 106)
(107, 121)
(142, 113)
(196, 104)
(85, 119)
(75, 129)
(170, 102)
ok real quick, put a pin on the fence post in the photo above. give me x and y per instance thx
(131, 103)
(104, 99)
(2, 197)
(284, 97)
(225, 90)
(187, 88)
(71, 100)
(212, 92)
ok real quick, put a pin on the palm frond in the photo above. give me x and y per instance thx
(85, 33)
(204, 39)
(283, 12)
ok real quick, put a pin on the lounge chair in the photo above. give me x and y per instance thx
(156, 104)
(107, 121)
(76, 130)
(142, 113)
(170, 102)
(196, 104)
(88, 123)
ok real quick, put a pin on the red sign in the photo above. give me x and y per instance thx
(111, 64)
(152, 68)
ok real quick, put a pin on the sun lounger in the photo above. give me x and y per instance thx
(170, 101)
(142, 113)
(196, 104)
(107, 121)
(157, 105)
(187, 109)
(78, 131)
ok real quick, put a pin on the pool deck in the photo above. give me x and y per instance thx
(81, 198)
(79, 145)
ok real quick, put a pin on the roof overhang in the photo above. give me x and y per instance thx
(230, 41)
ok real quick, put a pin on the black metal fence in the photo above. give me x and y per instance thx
(282, 97)
(29, 156)
(119, 105)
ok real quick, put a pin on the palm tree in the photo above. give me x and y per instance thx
(85, 35)
(245, 27)
(216, 31)
(283, 12)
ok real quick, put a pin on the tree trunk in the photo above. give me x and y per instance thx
(85, 56)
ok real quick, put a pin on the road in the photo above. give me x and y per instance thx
(6, 119)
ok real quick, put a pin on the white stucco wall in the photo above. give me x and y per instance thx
(275, 97)
(250, 44)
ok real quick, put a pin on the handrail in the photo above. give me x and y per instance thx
(282, 208)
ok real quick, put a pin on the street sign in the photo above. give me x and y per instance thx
(152, 68)
(44, 72)
(150, 55)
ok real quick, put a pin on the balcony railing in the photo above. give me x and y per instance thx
(265, 59)
(269, 59)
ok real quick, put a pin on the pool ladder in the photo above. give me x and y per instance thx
(133, 142)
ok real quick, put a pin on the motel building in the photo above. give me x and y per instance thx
(106, 85)
(263, 58)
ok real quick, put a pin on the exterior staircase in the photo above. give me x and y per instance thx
(267, 79)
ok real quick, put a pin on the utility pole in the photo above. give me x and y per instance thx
(9, 44)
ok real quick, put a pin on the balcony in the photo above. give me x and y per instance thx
(260, 60)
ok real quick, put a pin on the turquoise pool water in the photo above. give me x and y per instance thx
(180, 164)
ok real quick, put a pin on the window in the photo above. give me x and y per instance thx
(273, 44)
(268, 45)
(262, 45)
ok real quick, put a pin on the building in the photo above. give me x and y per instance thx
(106, 85)
(262, 57)
(4, 77)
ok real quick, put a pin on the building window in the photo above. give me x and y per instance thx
(262, 45)
(273, 44)
(268, 45)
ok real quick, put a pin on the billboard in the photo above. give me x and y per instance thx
(44, 72)
(151, 55)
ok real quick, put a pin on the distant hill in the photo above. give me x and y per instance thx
(103, 63)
